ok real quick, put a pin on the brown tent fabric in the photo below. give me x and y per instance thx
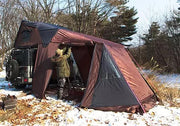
(35, 40)
(64, 36)
(43, 69)
(93, 75)
(87, 51)
(133, 77)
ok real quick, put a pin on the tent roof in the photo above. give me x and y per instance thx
(42, 26)
(46, 31)
(49, 33)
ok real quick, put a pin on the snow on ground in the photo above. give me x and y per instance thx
(51, 111)
(6, 87)
(171, 80)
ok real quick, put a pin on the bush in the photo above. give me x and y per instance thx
(166, 95)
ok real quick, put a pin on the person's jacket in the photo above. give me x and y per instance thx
(62, 66)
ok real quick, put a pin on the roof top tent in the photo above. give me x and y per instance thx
(112, 80)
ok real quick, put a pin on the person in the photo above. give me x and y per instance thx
(62, 69)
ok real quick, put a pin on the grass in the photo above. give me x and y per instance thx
(166, 95)
(19, 112)
(33, 111)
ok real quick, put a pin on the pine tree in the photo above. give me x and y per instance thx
(122, 26)
(152, 34)
(150, 41)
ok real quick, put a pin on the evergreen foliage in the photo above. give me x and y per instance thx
(162, 44)
(122, 26)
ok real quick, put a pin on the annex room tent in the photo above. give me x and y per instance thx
(112, 80)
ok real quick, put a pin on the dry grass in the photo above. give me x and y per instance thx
(166, 95)
(34, 111)
(19, 112)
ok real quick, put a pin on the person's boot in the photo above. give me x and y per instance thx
(60, 93)
(66, 93)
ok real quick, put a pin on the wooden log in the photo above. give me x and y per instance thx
(6, 107)
(9, 102)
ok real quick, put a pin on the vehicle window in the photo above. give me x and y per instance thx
(21, 56)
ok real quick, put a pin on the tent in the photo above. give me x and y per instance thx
(112, 80)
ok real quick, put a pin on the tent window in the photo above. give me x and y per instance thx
(111, 88)
(109, 70)
(116, 74)
(26, 35)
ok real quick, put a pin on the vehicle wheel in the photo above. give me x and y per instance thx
(12, 69)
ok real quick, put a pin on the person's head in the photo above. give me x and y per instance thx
(59, 52)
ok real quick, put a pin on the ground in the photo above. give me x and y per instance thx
(50, 111)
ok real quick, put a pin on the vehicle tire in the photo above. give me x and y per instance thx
(12, 69)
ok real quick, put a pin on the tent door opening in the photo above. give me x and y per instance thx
(79, 62)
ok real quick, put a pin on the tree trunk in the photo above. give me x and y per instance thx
(2, 61)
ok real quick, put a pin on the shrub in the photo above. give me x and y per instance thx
(165, 94)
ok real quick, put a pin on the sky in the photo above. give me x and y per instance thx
(149, 11)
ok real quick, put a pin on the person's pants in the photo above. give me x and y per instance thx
(61, 84)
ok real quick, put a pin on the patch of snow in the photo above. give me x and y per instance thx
(72, 116)
(26, 97)
(3, 83)
(6, 92)
(3, 74)
(51, 111)
(171, 80)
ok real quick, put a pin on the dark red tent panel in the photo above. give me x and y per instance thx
(113, 81)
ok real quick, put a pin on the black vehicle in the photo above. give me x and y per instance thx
(20, 66)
